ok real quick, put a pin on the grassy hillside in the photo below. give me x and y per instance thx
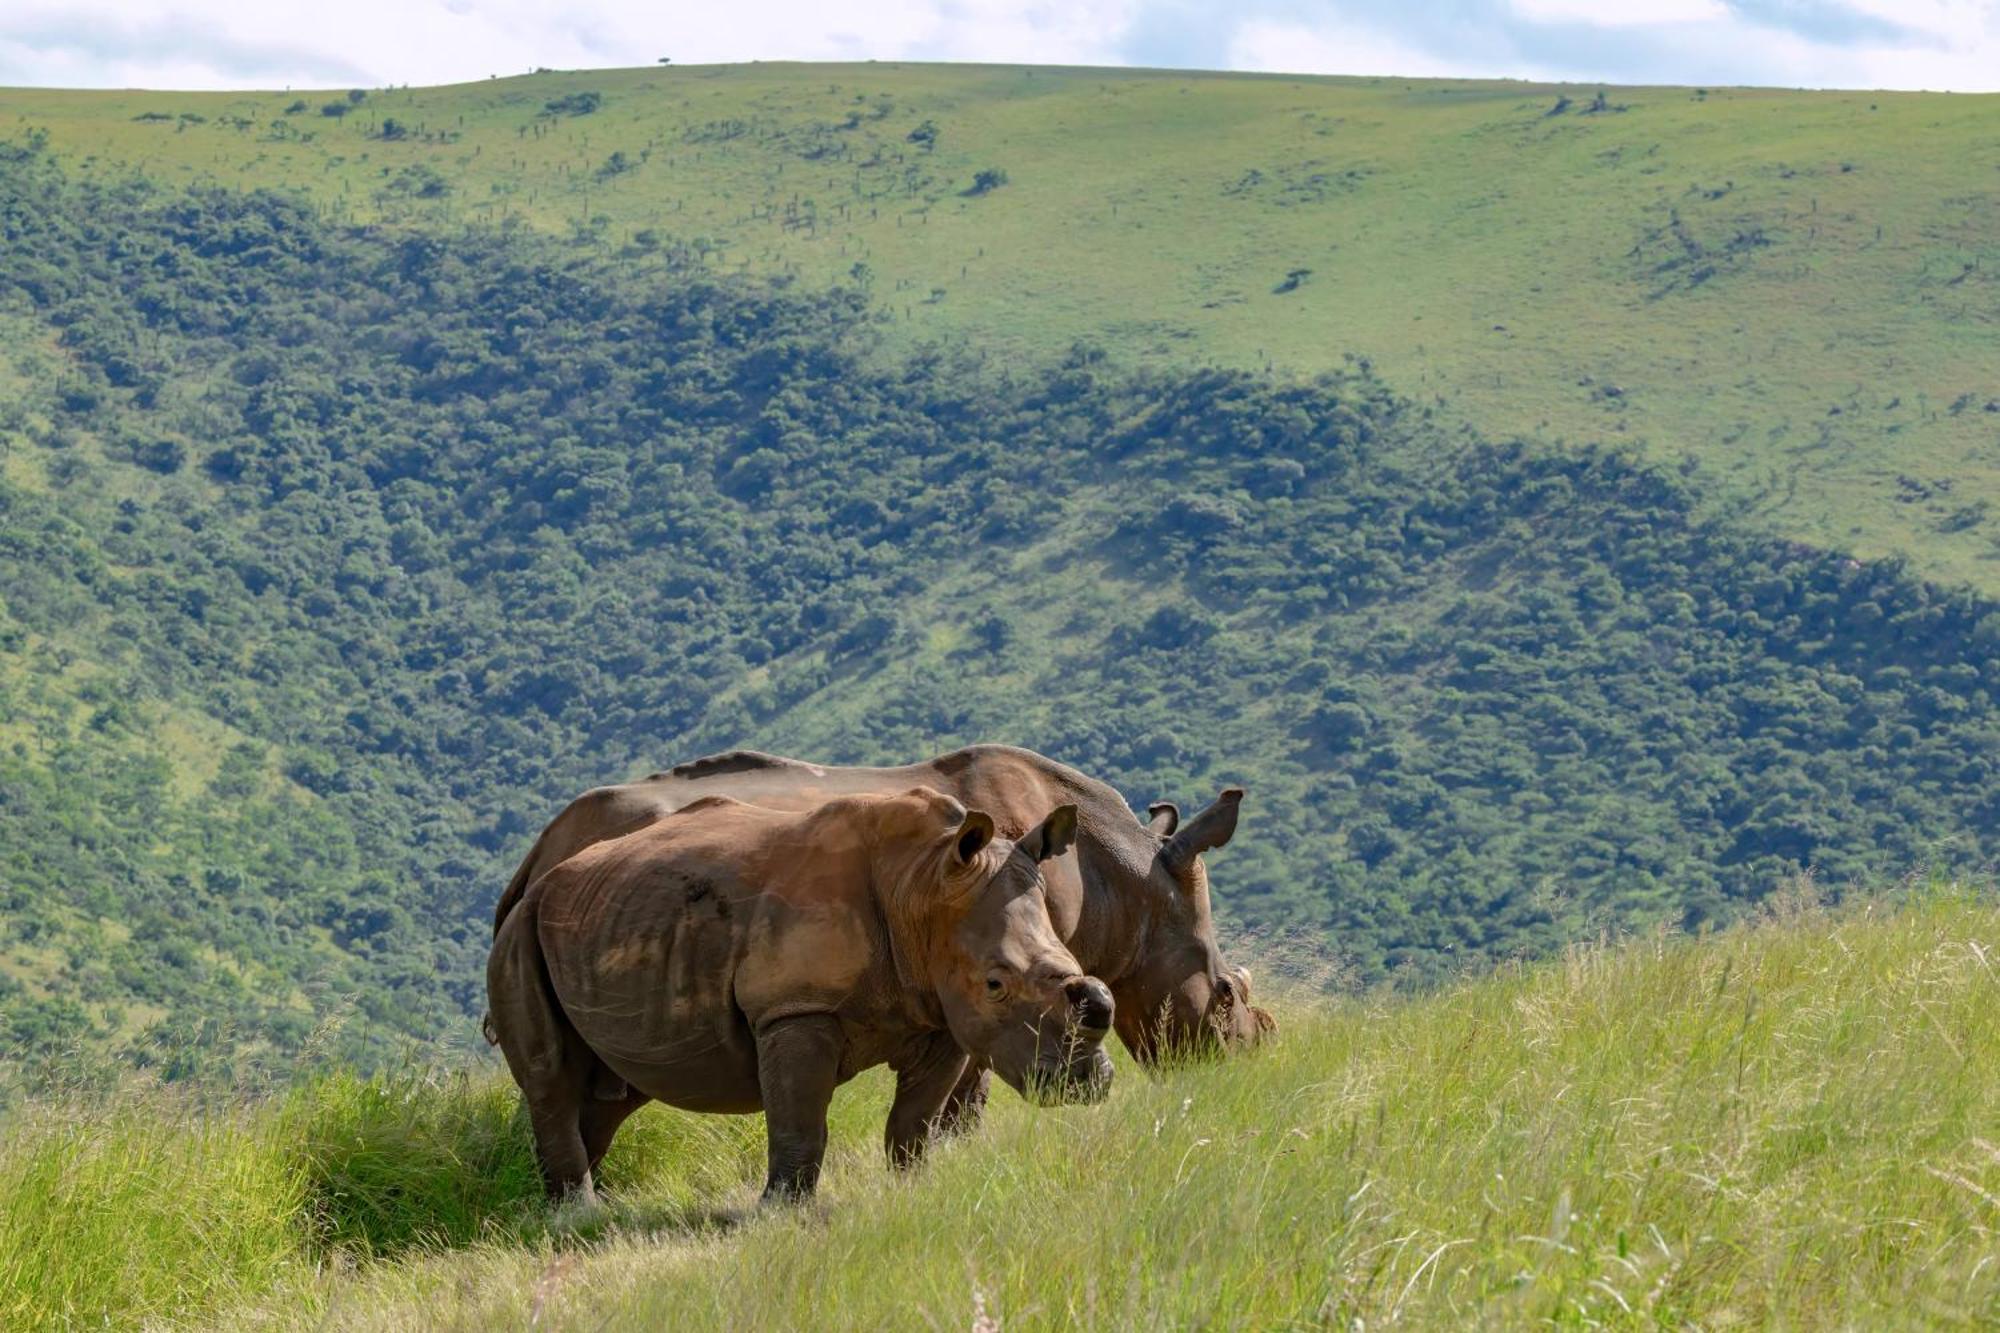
(1799, 289)
(336, 560)
(1787, 1125)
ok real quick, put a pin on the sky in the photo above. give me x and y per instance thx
(1928, 44)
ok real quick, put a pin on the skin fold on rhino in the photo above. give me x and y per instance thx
(730, 958)
(1131, 900)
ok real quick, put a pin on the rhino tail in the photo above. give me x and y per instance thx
(518, 985)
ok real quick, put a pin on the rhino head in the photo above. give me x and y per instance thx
(1184, 999)
(1010, 992)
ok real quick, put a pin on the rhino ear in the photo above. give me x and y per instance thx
(1053, 836)
(1213, 827)
(972, 835)
(1163, 817)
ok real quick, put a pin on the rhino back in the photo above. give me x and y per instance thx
(1017, 787)
(604, 813)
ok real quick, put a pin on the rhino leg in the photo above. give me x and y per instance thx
(546, 1056)
(798, 1066)
(606, 1086)
(602, 1117)
(967, 1100)
(923, 1085)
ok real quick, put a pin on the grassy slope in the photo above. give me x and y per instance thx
(1781, 1125)
(1800, 288)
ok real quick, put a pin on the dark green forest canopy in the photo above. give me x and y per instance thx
(333, 561)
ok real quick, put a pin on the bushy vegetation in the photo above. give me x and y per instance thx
(1774, 1126)
(1794, 287)
(1489, 698)
(337, 559)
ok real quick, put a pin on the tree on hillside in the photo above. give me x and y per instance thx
(573, 104)
(986, 181)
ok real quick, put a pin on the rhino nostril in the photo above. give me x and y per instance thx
(1091, 1000)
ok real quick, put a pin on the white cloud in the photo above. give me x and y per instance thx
(1043, 32)
(1956, 45)
(1903, 68)
(1964, 21)
(276, 43)
(231, 43)
(1917, 44)
(1620, 13)
(1343, 48)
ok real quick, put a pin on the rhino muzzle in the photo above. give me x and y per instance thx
(1081, 1070)
(1090, 1000)
(1086, 1078)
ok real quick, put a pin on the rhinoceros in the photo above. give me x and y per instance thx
(1132, 903)
(732, 958)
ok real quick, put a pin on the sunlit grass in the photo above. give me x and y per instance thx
(1792, 1123)
(147, 1207)
(1796, 288)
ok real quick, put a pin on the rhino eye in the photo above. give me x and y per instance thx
(994, 987)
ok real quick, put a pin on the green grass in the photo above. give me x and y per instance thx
(419, 1161)
(152, 1205)
(146, 1208)
(1789, 1124)
(1799, 289)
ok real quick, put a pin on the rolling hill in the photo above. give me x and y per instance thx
(354, 513)
(1801, 290)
